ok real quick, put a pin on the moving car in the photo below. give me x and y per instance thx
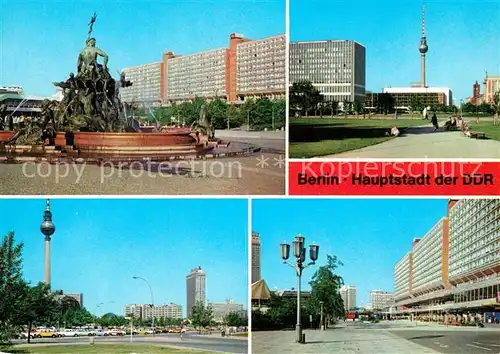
(46, 334)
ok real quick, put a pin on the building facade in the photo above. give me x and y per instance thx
(78, 297)
(145, 89)
(221, 309)
(196, 75)
(380, 300)
(456, 265)
(195, 289)
(245, 69)
(336, 68)
(261, 68)
(491, 85)
(256, 247)
(348, 295)
(163, 311)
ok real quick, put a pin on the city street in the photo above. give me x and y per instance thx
(204, 342)
(385, 337)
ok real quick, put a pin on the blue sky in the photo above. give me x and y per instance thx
(100, 244)
(463, 38)
(41, 40)
(368, 236)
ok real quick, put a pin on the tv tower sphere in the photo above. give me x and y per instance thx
(47, 227)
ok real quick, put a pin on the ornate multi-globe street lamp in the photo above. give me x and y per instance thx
(47, 228)
(299, 251)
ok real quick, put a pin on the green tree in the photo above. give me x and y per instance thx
(12, 286)
(217, 111)
(38, 306)
(359, 106)
(303, 97)
(233, 319)
(325, 285)
(235, 119)
(201, 316)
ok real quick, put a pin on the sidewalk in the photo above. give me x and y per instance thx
(339, 340)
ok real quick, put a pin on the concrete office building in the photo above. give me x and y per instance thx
(195, 289)
(163, 311)
(455, 267)
(146, 84)
(245, 69)
(348, 295)
(336, 68)
(256, 247)
(380, 300)
(222, 309)
(261, 68)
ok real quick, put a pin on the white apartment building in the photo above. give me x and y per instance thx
(146, 83)
(164, 311)
(197, 75)
(381, 300)
(348, 295)
(261, 66)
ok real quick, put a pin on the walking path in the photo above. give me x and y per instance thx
(338, 340)
(422, 142)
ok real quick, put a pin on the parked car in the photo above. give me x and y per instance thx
(117, 332)
(144, 331)
(46, 334)
(100, 333)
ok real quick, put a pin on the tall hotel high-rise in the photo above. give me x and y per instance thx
(195, 289)
(336, 68)
(348, 295)
(256, 271)
(245, 69)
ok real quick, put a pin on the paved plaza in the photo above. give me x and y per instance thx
(391, 337)
(422, 142)
(240, 176)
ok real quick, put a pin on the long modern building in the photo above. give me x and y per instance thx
(455, 267)
(335, 67)
(256, 247)
(245, 69)
(195, 289)
(427, 96)
(146, 311)
(348, 295)
(221, 309)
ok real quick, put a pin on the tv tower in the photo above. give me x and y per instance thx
(423, 49)
(47, 228)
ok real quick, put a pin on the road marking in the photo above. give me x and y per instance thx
(495, 345)
(477, 346)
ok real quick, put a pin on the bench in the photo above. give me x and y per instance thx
(478, 135)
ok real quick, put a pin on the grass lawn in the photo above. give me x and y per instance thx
(104, 349)
(311, 137)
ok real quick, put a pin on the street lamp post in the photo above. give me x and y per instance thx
(152, 303)
(299, 251)
(322, 326)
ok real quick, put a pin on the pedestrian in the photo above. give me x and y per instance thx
(183, 330)
(434, 121)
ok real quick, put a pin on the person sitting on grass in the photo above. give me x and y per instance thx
(393, 132)
(465, 129)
